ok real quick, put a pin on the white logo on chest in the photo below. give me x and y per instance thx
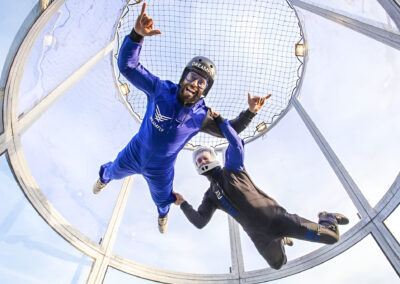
(159, 117)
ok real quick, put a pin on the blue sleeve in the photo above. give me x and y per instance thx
(234, 155)
(129, 66)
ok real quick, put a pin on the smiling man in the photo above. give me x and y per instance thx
(174, 114)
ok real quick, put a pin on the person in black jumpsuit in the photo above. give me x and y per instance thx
(267, 223)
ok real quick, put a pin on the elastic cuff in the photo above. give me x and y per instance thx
(136, 37)
(249, 114)
(219, 119)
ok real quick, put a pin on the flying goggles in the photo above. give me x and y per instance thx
(202, 81)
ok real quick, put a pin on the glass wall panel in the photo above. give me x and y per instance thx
(31, 252)
(370, 12)
(363, 263)
(78, 31)
(65, 147)
(183, 247)
(290, 168)
(12, 16)
(393, 223)
(350, 90)
(115, 276)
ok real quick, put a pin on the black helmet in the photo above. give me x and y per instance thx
(203, 65)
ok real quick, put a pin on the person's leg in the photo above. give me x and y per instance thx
(273, 251)
(292, 225)
(124, 165)
(160, 184)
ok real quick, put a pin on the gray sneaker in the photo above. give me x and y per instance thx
(98, 186)
(162, 224)
(288, 241)
(333, 218)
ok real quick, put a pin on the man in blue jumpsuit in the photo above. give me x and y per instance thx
(174, 114)
(267, 223)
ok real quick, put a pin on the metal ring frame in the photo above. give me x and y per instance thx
(11, 144)
(221, 147)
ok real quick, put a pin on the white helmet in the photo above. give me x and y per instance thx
(213, 159)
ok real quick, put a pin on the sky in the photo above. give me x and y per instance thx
(349, 90)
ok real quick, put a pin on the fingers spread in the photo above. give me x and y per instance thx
(155, 32)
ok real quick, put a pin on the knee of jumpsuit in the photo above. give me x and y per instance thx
(124, 165)
(276, 254)
(272, 250)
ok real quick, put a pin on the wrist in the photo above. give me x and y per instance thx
(218, 119)
(252, 111)
(136, 37)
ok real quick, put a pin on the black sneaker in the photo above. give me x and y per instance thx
(340, 219)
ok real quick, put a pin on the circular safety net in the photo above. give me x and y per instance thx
(252, 44)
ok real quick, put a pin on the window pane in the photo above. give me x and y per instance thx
(31, 252)
(362, 263)
(350, 90)
(393, 223)
(65, 147)
(370, 12)
(183, 247)
(290, 168)
(76, 32)
(115, 276)
(12, 16)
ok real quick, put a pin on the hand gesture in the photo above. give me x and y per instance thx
(256, 103)
(179, 198)
(144, 24)
(214, 114)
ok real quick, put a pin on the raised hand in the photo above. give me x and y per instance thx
(144, 24)
(256, 103)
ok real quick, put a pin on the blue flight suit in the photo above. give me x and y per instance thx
(166, 127)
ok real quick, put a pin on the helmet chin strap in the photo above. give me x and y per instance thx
(202, 170)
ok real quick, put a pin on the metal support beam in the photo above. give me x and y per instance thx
(388, 243)
(237, 266)
(348, 183)
(392, 9)
(100, 265)
(236, 248)
(376, 33)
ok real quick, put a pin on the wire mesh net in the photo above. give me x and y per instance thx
(252, 44)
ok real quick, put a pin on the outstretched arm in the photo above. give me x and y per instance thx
(128, 58)
(239, 123)
(234, 154)
(202, 216)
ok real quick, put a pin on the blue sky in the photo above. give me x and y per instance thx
(350, 91)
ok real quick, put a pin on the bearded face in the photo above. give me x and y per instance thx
(192, 88)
